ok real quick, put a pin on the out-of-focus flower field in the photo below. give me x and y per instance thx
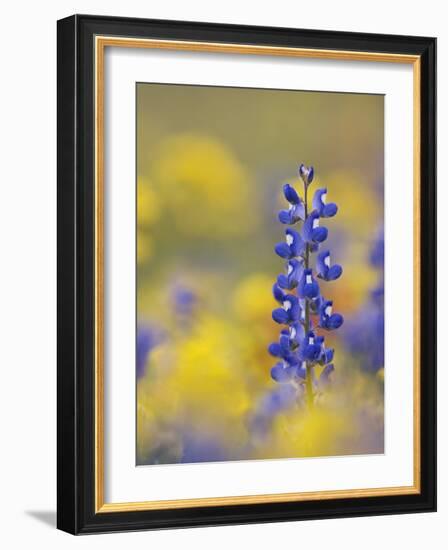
(211, 163)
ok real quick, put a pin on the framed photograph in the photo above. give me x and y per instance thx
(246, 274)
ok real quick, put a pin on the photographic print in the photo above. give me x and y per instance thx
(246, 274)
(260, 274)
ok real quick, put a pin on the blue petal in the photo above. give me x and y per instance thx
(280, 316)
(326, 356)
(283, 250)
(283, 282)
(335, 321)
(310, 174)
(275, 349)
(329, 210)
(299, 212)
(334, 272)
(321, 266)
(284, 342)
(319, 234)
(284, 216)
(318, 203)
(278, 293)
(291, 194)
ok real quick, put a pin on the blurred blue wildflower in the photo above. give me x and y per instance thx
(200, 448)
(148, 337)
(273, 402)
(184, 300)
(364, 333)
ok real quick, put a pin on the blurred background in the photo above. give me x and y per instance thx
(211, 163)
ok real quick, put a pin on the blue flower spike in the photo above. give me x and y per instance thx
(300, 348)
(324, 269)
(322, 208)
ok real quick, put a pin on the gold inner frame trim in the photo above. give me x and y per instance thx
(101, 42)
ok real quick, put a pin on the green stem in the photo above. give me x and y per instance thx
(308, 379)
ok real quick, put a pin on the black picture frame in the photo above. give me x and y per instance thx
(75, 271)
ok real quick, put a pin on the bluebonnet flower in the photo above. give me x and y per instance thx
(306, 173)
(324, 269)
(293, 247)
(300, 348)
(326, 354)
(296, 209)
(284, 348)
(289, 313)
(319, 204)
(308, 287)
(294, 270)
(296, 334)
(311, 348)
(312, 232)
(328, 319)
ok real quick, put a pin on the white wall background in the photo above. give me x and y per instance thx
(28, 272)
